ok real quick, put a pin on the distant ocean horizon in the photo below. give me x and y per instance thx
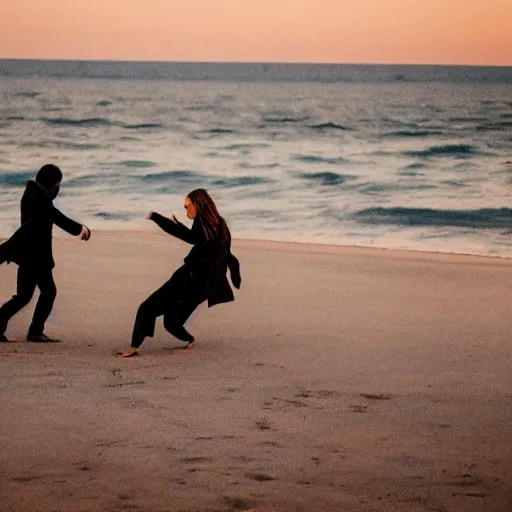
(253, 71)
(380, 155)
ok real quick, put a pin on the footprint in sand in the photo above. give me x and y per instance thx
(260, 477)
(122, 384)
(21, 355)
(273, 444)
(195, 460)
(359, 408)
(81, 466)
(276, 403)
(24, 479)
(239, 503)
(319, 393)
(263, 425)
(376, 396)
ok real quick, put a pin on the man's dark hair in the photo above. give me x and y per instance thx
(49, 175)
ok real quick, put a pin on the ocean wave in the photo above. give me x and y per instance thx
(97, 121)
(141, 126)
(328, 126)
(112, 215)
(240, 181)
(136, 163)
(415, 166)
(15, 179)
(261, 213)
(284, 120)
(466, 119)
(413, 133)
(88, 180)
(458, 150)
(497, 126)
(218, 131)
(378, 188)
(77, 145)
(60, 144)
(178, 175)
(205, 108)
(454, 183)
(485, 218)
(246, 165)
(27, 94)
(312, 159)
(326, 178)
(239, 146)
(87, 122)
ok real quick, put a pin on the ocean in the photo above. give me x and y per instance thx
(399, 157)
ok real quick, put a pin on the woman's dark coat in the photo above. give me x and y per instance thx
(206, 259)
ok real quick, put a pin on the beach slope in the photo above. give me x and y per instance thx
(340, 379)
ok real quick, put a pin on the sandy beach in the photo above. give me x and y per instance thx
(341, 379)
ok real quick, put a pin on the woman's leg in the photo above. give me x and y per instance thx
(175, 317)
(158, 304)
(144, 325)
(153, 307)
(181, 309)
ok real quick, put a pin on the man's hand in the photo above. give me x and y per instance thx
(85, 234)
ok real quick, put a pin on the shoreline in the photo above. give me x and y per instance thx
(309, 246)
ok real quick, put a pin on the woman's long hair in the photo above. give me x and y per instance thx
(215, 227)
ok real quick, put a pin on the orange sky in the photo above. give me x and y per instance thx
(344, 31)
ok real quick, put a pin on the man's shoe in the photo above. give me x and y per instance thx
(40, 338)
(3, 338)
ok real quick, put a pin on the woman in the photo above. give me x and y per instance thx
(202, 277)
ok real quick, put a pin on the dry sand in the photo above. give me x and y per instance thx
(340, 379)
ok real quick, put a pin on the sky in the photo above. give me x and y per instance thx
(472, 32)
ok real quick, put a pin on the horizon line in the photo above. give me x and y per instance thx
(296, 63)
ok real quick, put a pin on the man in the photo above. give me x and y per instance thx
(31, 248)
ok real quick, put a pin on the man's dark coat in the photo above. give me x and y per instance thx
(31, 244)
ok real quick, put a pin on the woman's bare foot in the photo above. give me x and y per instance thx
(129, 352)
(189, 345)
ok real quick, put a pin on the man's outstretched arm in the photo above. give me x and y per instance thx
(69, 225)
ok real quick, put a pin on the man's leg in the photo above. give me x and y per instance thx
(46, 285)
(25, 287)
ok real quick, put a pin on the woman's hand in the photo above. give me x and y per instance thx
(148, 216)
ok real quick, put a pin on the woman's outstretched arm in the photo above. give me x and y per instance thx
(177, 229)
